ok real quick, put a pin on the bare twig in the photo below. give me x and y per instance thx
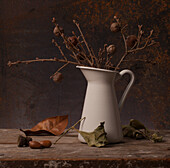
(56, 44)
(73, 127)
(59, 69)
(42, 60)
(136, 47)
(78, 26)
(78, 50)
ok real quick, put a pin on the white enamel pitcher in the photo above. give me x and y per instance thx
(101, 104)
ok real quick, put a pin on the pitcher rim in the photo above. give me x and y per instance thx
(96, 69)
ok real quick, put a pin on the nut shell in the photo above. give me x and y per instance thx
(131, 40)
(115, 27)
(57, 77)
(46, 143)
(111, 49)
(35, 145)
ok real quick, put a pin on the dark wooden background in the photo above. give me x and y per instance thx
(27, 95)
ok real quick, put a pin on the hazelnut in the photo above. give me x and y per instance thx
(46, 143)
(73, 40)
(131, 40)
(115, 27)
(111, 49)
(35, 145)
(57, 30)
(57, 77)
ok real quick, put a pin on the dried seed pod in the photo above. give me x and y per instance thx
(35, 145)
(115, 27)
(23, 141)
(111, 49)
(46, 143)
(131, 40)
(28, 139)
(57, 30)
(53, 20)
(57, 77)
(73, 40)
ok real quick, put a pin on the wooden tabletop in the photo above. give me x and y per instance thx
(69, 152)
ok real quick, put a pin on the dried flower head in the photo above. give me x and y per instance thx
(111, 49)
(57, 30)
(57, 77)
(53, 20)
(131, 41)
(9, 63)
(73, 40)
(115, 27)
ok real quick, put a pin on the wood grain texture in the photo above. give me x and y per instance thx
(69, 152)
(27, 95)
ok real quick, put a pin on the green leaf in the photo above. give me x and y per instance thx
(131, 132)
(97, 137)
(156, 138)
(136, 124)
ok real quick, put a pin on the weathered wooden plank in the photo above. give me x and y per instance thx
(69, 152)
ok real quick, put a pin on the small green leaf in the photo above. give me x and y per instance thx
(156, 138)
(136, 124)
(131, 132)
(97, 137)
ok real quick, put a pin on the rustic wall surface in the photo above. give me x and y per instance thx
(27, 95)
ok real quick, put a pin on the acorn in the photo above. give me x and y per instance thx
(111, 49)
(73, 40)
(57, 30)
(131, 40)
(115, 27)
(57, 77)
(46, 143)
(35, 145)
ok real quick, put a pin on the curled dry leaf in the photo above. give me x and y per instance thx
(50, 126)
(97, 137)
(137, 130)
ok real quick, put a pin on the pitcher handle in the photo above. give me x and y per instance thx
(128, 86)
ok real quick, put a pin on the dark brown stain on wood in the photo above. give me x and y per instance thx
(27, 95)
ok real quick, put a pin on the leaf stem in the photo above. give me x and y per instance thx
(73, 127)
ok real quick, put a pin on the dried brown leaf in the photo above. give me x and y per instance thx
(50, 126)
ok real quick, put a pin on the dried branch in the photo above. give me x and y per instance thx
(56, 44)
(59, 69)
(84, 55)
(137, 44)
(78, 26)
(42, 60)
(73, 127)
